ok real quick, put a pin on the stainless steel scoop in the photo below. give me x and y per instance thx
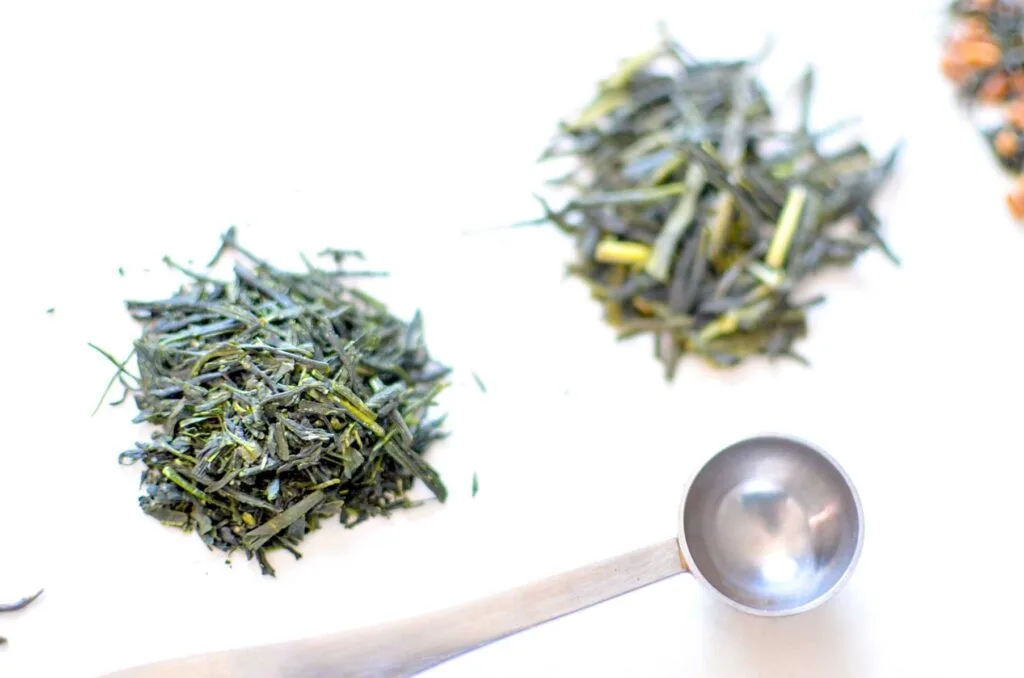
(769, 525)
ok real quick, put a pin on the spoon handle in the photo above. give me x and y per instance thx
(406, 647)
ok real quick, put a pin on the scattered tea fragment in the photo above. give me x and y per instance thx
(984, 59)
(696, 218)
(476, 484)
(280, 399)
(19, 605)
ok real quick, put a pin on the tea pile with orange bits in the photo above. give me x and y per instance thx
(984, 58)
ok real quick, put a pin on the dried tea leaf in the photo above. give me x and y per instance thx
(696, 219)
(279, 399)
(18, 605)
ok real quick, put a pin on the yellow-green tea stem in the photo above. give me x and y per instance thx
(178, 480)
(668, 169)
(604, 105)
(630, 196)
(727, 323)
(719, 229)
(786, 227)
(367, 420)
(622, 252)
(629, 68)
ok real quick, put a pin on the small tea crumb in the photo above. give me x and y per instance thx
(1006, 143)
(1015, 114)
(1015, 199)
(995, 88)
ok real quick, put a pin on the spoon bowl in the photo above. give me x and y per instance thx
(771, 526)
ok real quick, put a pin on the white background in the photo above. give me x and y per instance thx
(136, 129)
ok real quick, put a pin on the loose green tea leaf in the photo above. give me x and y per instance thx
(696, 218)
(476, 484)
(21, 604)
(18, 605)
(279, 399)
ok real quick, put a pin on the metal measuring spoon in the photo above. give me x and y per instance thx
(769, 525)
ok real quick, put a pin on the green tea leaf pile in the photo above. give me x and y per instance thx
(280, 399)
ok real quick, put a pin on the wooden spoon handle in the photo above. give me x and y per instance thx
(406, 647)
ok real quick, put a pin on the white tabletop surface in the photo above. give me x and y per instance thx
(130, 130)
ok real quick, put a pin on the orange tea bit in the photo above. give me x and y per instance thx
(1006, 143)
(1015, 199)
(978, 53)
(643, 306)
(954, 69)
(974, 28)
(1015, 113)
(1017, 83)
(995, 88)
(982, 5)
